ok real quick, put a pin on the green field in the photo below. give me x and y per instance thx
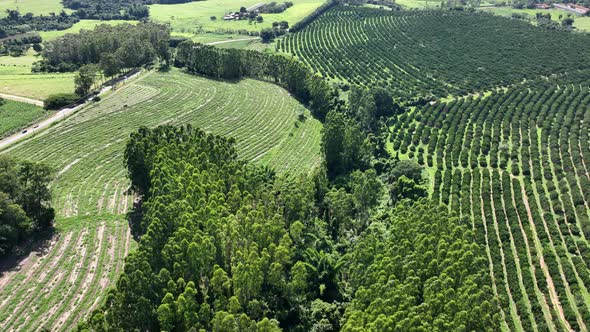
(581, 23)
(83, 24)
(15, 115)
(90, 192)
(194, 17)
(16, 78)
(37, 7)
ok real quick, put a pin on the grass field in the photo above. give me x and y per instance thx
(83, 24)
(194, 17)
(15, 115)
(58, 288)
(515, 164)
(16, 78)
(582, 23)
(36, 7)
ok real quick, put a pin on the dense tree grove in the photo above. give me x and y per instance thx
(285, 71)
(109, 9)
(418, 268)
(24, 202)
(114, 48)
(16, 23)
(114, 9)
(227, 246)
(431, 53)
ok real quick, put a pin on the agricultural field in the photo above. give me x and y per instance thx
(195, 17)
(60, 287)
(431, 53)
(37, 7)
(17, 79)
(15, 115)
(83, 24)
(516, 163)
(581, 23)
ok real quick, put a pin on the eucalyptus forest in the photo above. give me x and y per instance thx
(366, 167)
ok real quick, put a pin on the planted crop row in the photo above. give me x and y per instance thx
(431, 53)
(91, 185)
(87, 148)
(514, 163)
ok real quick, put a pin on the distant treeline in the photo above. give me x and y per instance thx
(274, 7)
(16, 23)
(115, 9)
(24, 202)
(114, 48)
(285, 71)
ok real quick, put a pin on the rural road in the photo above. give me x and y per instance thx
(232, 40)
(59, 115)
(22, 99)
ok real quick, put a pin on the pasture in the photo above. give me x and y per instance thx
(17, 79)
(195, 17)
(515, 165)
(15, 115)
(82, 25)
(581, 23)
(37, 7)
(58, 288)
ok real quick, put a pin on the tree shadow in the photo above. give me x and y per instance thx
(134, 218)
(39, 245)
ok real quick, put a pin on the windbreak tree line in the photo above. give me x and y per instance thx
(432, 54)
(24, 202)
(113, 48)
(17, 23)
(231, 64)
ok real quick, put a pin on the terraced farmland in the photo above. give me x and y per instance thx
(432, 53)
(90, 192)
(516, 163)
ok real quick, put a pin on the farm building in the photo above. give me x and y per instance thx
(572, 8)
(542, 6)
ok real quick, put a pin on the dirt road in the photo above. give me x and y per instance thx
(22, 99)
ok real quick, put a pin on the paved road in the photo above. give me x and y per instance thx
(57, 116)
(22, 99)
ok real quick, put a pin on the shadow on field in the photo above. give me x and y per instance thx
(134, 218)
(39, 245)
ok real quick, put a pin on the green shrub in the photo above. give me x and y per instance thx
(59, 100)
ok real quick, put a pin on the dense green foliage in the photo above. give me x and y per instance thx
(20, 44)
(232, 64)
(90, 192)
(109, 9)
(57, 101)
(222, 257)
(24, 202)
(115, 48)
(432, 53)
(419, 269)
(516, 163)
(229, 247)
(15, 23)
